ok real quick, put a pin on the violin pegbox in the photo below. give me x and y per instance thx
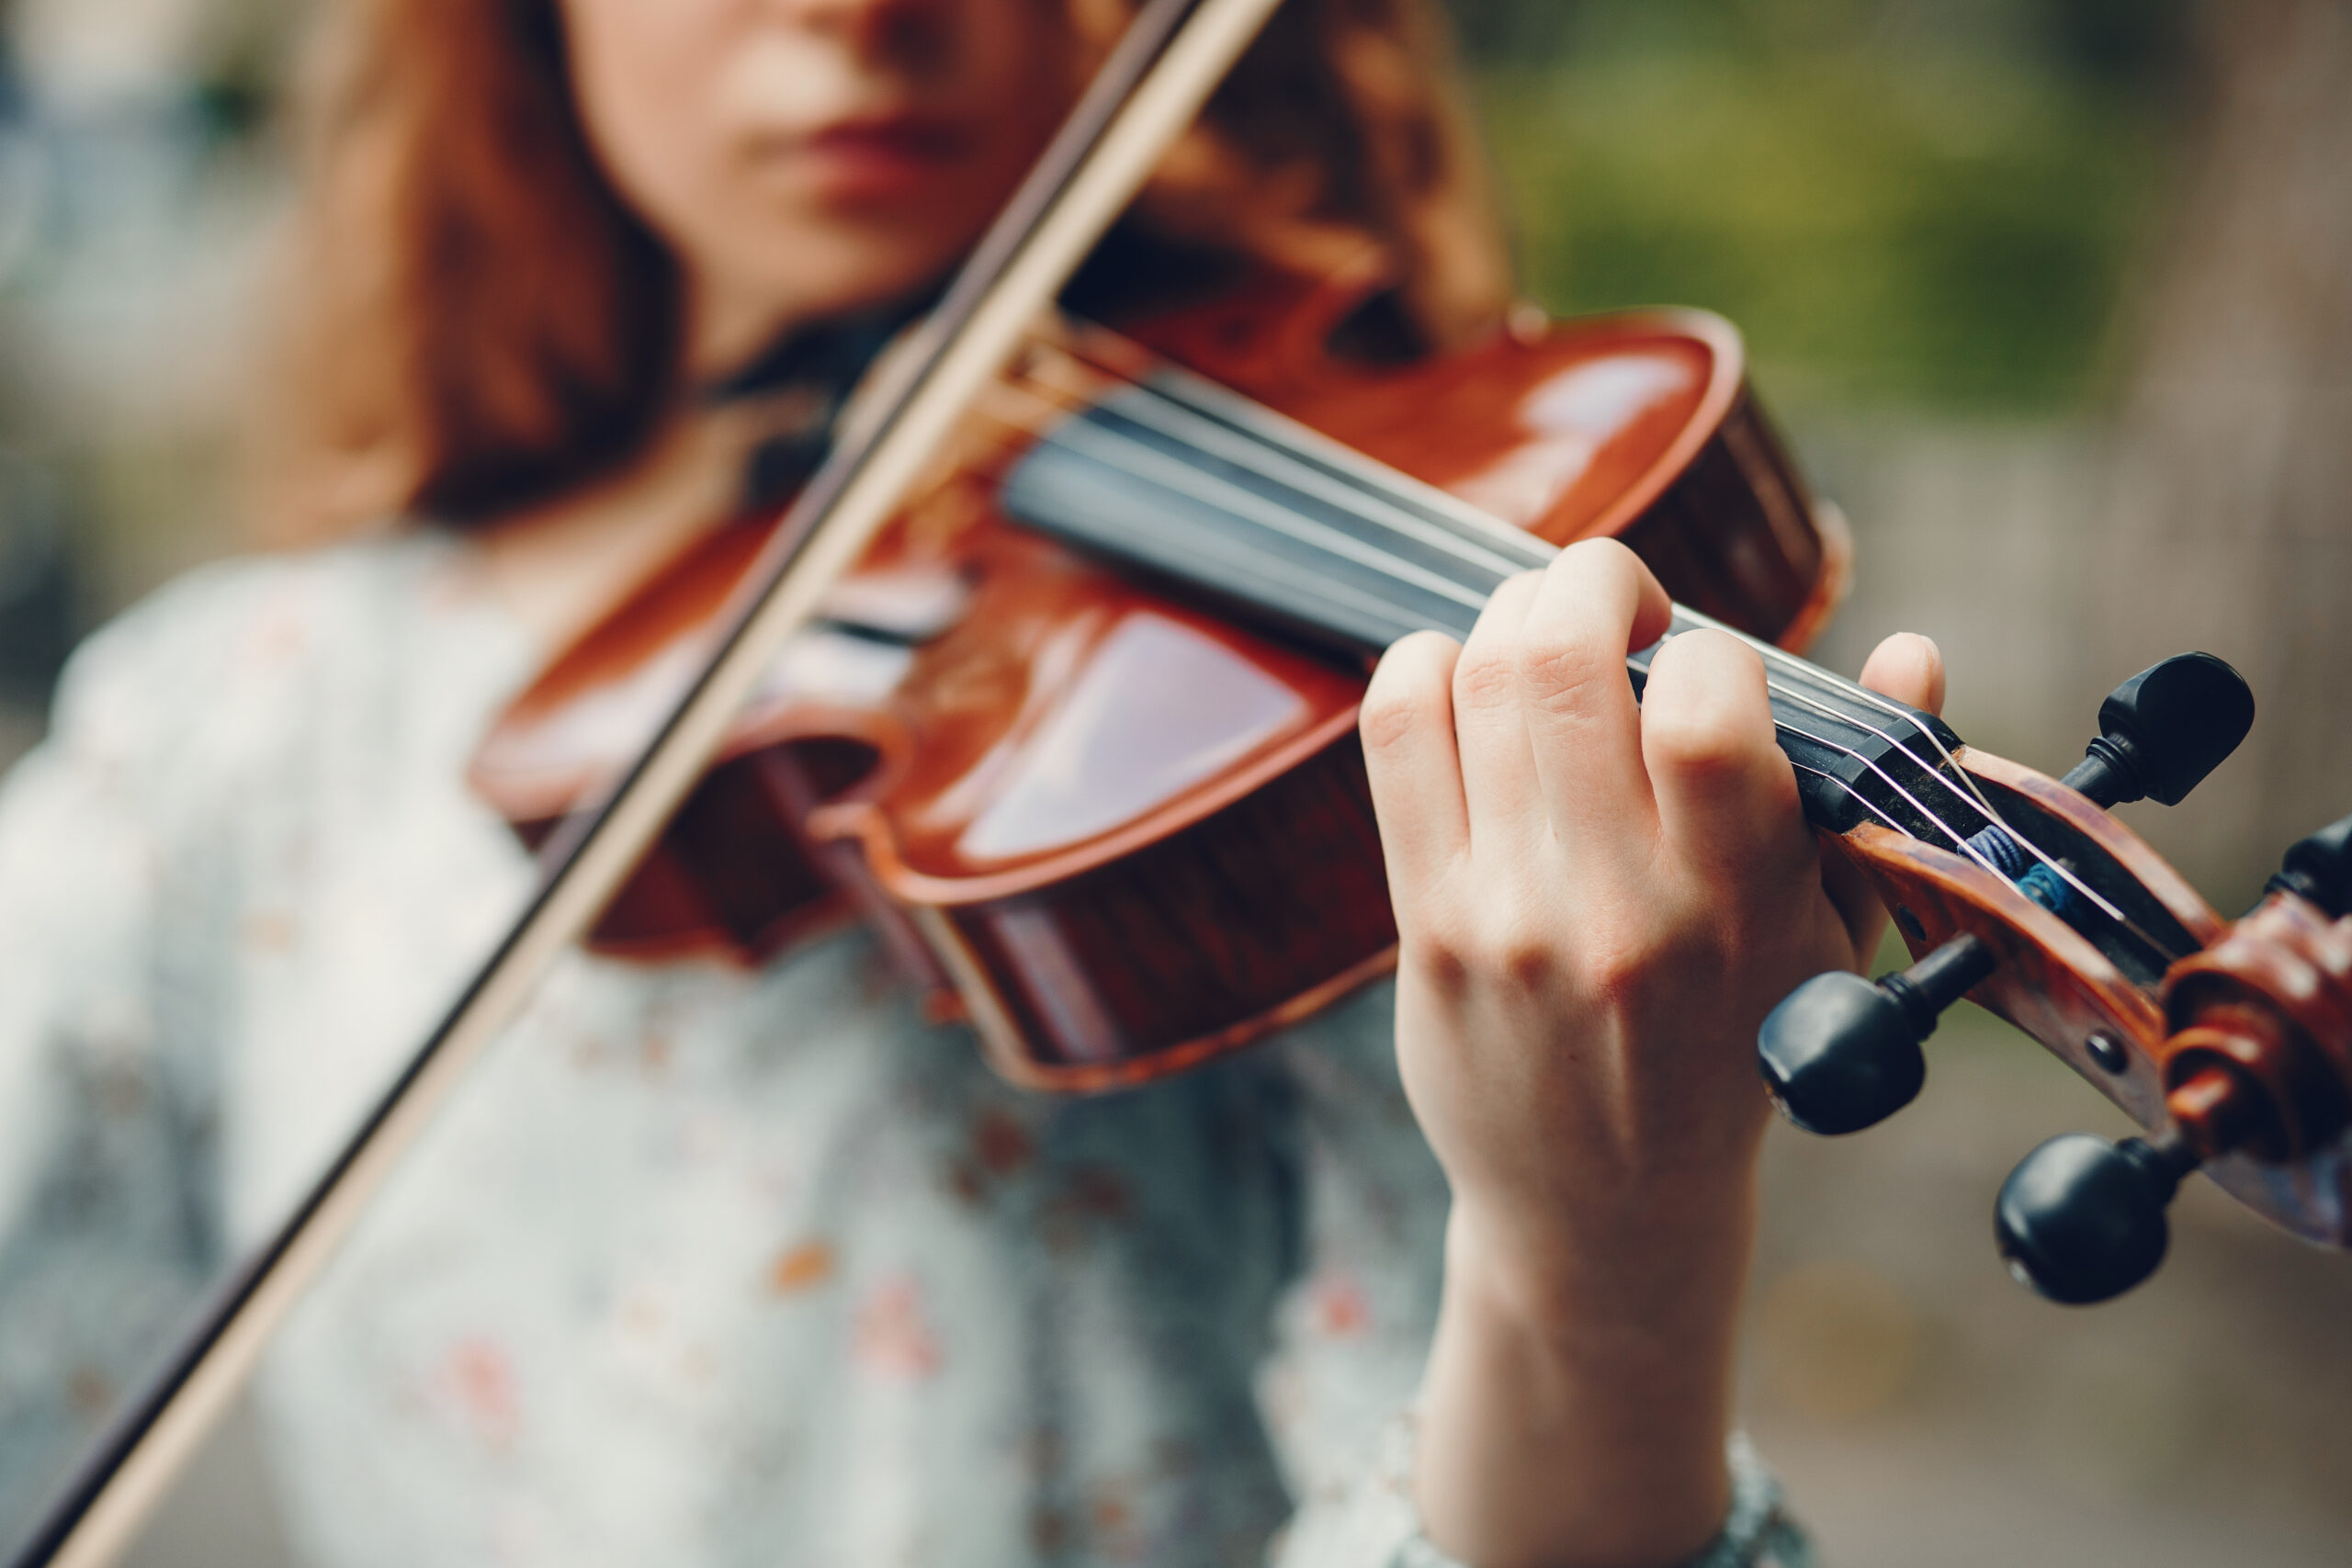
(2076, 969)
(1842, 1054)
(2256, 1064)
(2231, 1044)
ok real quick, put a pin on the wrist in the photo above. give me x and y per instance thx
(1663, 1275)
(1577, 1408)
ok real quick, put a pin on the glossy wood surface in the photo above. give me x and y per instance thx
(2264, 1014)
(1122, 831)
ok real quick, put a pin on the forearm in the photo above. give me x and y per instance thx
(1575, 1417)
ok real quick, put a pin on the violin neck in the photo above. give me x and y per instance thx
(1184, 479)
(1178, 476)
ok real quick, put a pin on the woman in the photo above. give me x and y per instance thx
(712, 1265)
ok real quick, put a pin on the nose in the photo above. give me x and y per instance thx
(910, 34)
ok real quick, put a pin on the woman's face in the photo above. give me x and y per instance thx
(808, 157)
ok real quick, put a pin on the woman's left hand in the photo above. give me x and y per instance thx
(1596, 900)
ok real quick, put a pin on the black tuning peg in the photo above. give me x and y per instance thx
(2163, 730)
(1841, 1052)
(2082, 1220)
(2319, 868)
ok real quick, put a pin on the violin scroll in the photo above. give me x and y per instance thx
(2257, 1062)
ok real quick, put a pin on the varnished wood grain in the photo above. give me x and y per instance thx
(1106, 949)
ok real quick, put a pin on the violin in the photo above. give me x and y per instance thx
(1120, 822)
(1078, 737)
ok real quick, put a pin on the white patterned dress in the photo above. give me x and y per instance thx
(703, 1266)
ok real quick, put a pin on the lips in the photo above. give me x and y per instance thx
(877, 154)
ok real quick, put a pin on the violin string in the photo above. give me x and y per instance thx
(1865, 801)
(1943, 775)
(1254, 451)
(1360, 483)
(1309, 586)
(1234, 501)
(1969, 846)
(1229, 498)
(1259, 440)
(1193, 482)
(1972, 796)
(1253, 448)
(1964, 845)
(1256, 454)
(1855, 691)
(1093, 440)
(1976, 794)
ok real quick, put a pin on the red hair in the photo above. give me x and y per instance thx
(477, 322)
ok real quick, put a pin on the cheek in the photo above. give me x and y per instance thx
(641, 73)
(657, 82)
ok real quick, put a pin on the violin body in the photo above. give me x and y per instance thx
(1116, 826)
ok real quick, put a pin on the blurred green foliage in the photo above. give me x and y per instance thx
(1931, 202)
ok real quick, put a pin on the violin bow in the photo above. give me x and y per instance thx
(1148, 89)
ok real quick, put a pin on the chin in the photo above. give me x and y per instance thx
(845, 267)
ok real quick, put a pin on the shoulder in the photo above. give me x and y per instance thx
(238, 654)
(245, 619)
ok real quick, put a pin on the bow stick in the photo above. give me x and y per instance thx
(1148, 90)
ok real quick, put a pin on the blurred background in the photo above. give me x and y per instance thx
(2055, 297)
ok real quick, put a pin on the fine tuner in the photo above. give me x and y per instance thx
(2233, 1047)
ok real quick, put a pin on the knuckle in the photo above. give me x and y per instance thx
(1704, 723)
(1621, 954)
(1598, 558)
(1511, 596)
(1528, 964)
(1440, 950)
(1562, 673)
(1484, 678)
(1617, 980)
(1390, 715)
(1516, 945)
(1445, 969)
(1617, 964)
(1699, 741)
(1407, 693)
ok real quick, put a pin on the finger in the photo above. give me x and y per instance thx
(1500, 792)
(1910, 669)
(1407, 723)
(1596, 604)
(1726, 798)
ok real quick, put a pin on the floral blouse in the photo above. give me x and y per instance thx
(701, 1266)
